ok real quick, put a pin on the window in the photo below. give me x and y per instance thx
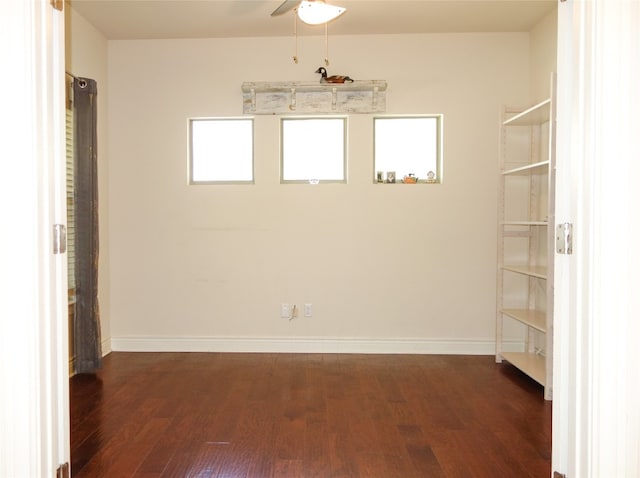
(71, 202)
(408, 146)
(313, 150)
(221, 150)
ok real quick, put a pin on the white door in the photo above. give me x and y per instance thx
(596, 417)
(34, 378)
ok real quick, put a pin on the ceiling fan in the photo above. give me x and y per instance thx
(313, 12)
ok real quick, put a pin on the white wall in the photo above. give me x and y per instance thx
(86, 56)
(387, 267)
(543, 46)
(544, 40)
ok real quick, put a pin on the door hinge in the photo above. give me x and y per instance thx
(564, 238)
(57, 4)
(63, 471)
(557, 474)
(59, 239)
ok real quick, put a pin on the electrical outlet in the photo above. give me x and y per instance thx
(285, 311)
(308, 310)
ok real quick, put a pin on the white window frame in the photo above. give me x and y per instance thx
(345, 126)
(191, 121)
(422, 176)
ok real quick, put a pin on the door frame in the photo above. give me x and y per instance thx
(596, 422)
(34, 391)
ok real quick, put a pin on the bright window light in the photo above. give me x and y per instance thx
(221, 150)
(408, 146)
(313, 150)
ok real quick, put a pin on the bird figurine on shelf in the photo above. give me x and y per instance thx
(333, 78)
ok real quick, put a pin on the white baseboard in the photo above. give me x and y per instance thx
(106, 347)
(307, 345)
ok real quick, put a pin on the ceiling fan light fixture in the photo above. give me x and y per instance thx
(317, 12)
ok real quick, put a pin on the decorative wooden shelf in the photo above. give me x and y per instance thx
(361, 96)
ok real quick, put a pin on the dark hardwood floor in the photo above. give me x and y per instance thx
(308, 415)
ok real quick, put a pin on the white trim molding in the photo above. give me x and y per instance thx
(106, 347)
(308, 345)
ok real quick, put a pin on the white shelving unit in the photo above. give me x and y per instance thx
(526, 215)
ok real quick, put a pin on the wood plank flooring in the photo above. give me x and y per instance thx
(307, 415)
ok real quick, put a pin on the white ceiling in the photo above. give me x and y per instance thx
(155, 19)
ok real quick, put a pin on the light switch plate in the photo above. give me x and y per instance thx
(285, 311)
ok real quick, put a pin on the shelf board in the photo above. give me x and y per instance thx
(525, 223)
(532, 318)
(537, 114)
(533, 271)
(533, 168)
(530, 363)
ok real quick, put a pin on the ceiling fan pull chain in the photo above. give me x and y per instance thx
(295, 33)
(326, 44)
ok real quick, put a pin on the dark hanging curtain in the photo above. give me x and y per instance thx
(86, 327)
